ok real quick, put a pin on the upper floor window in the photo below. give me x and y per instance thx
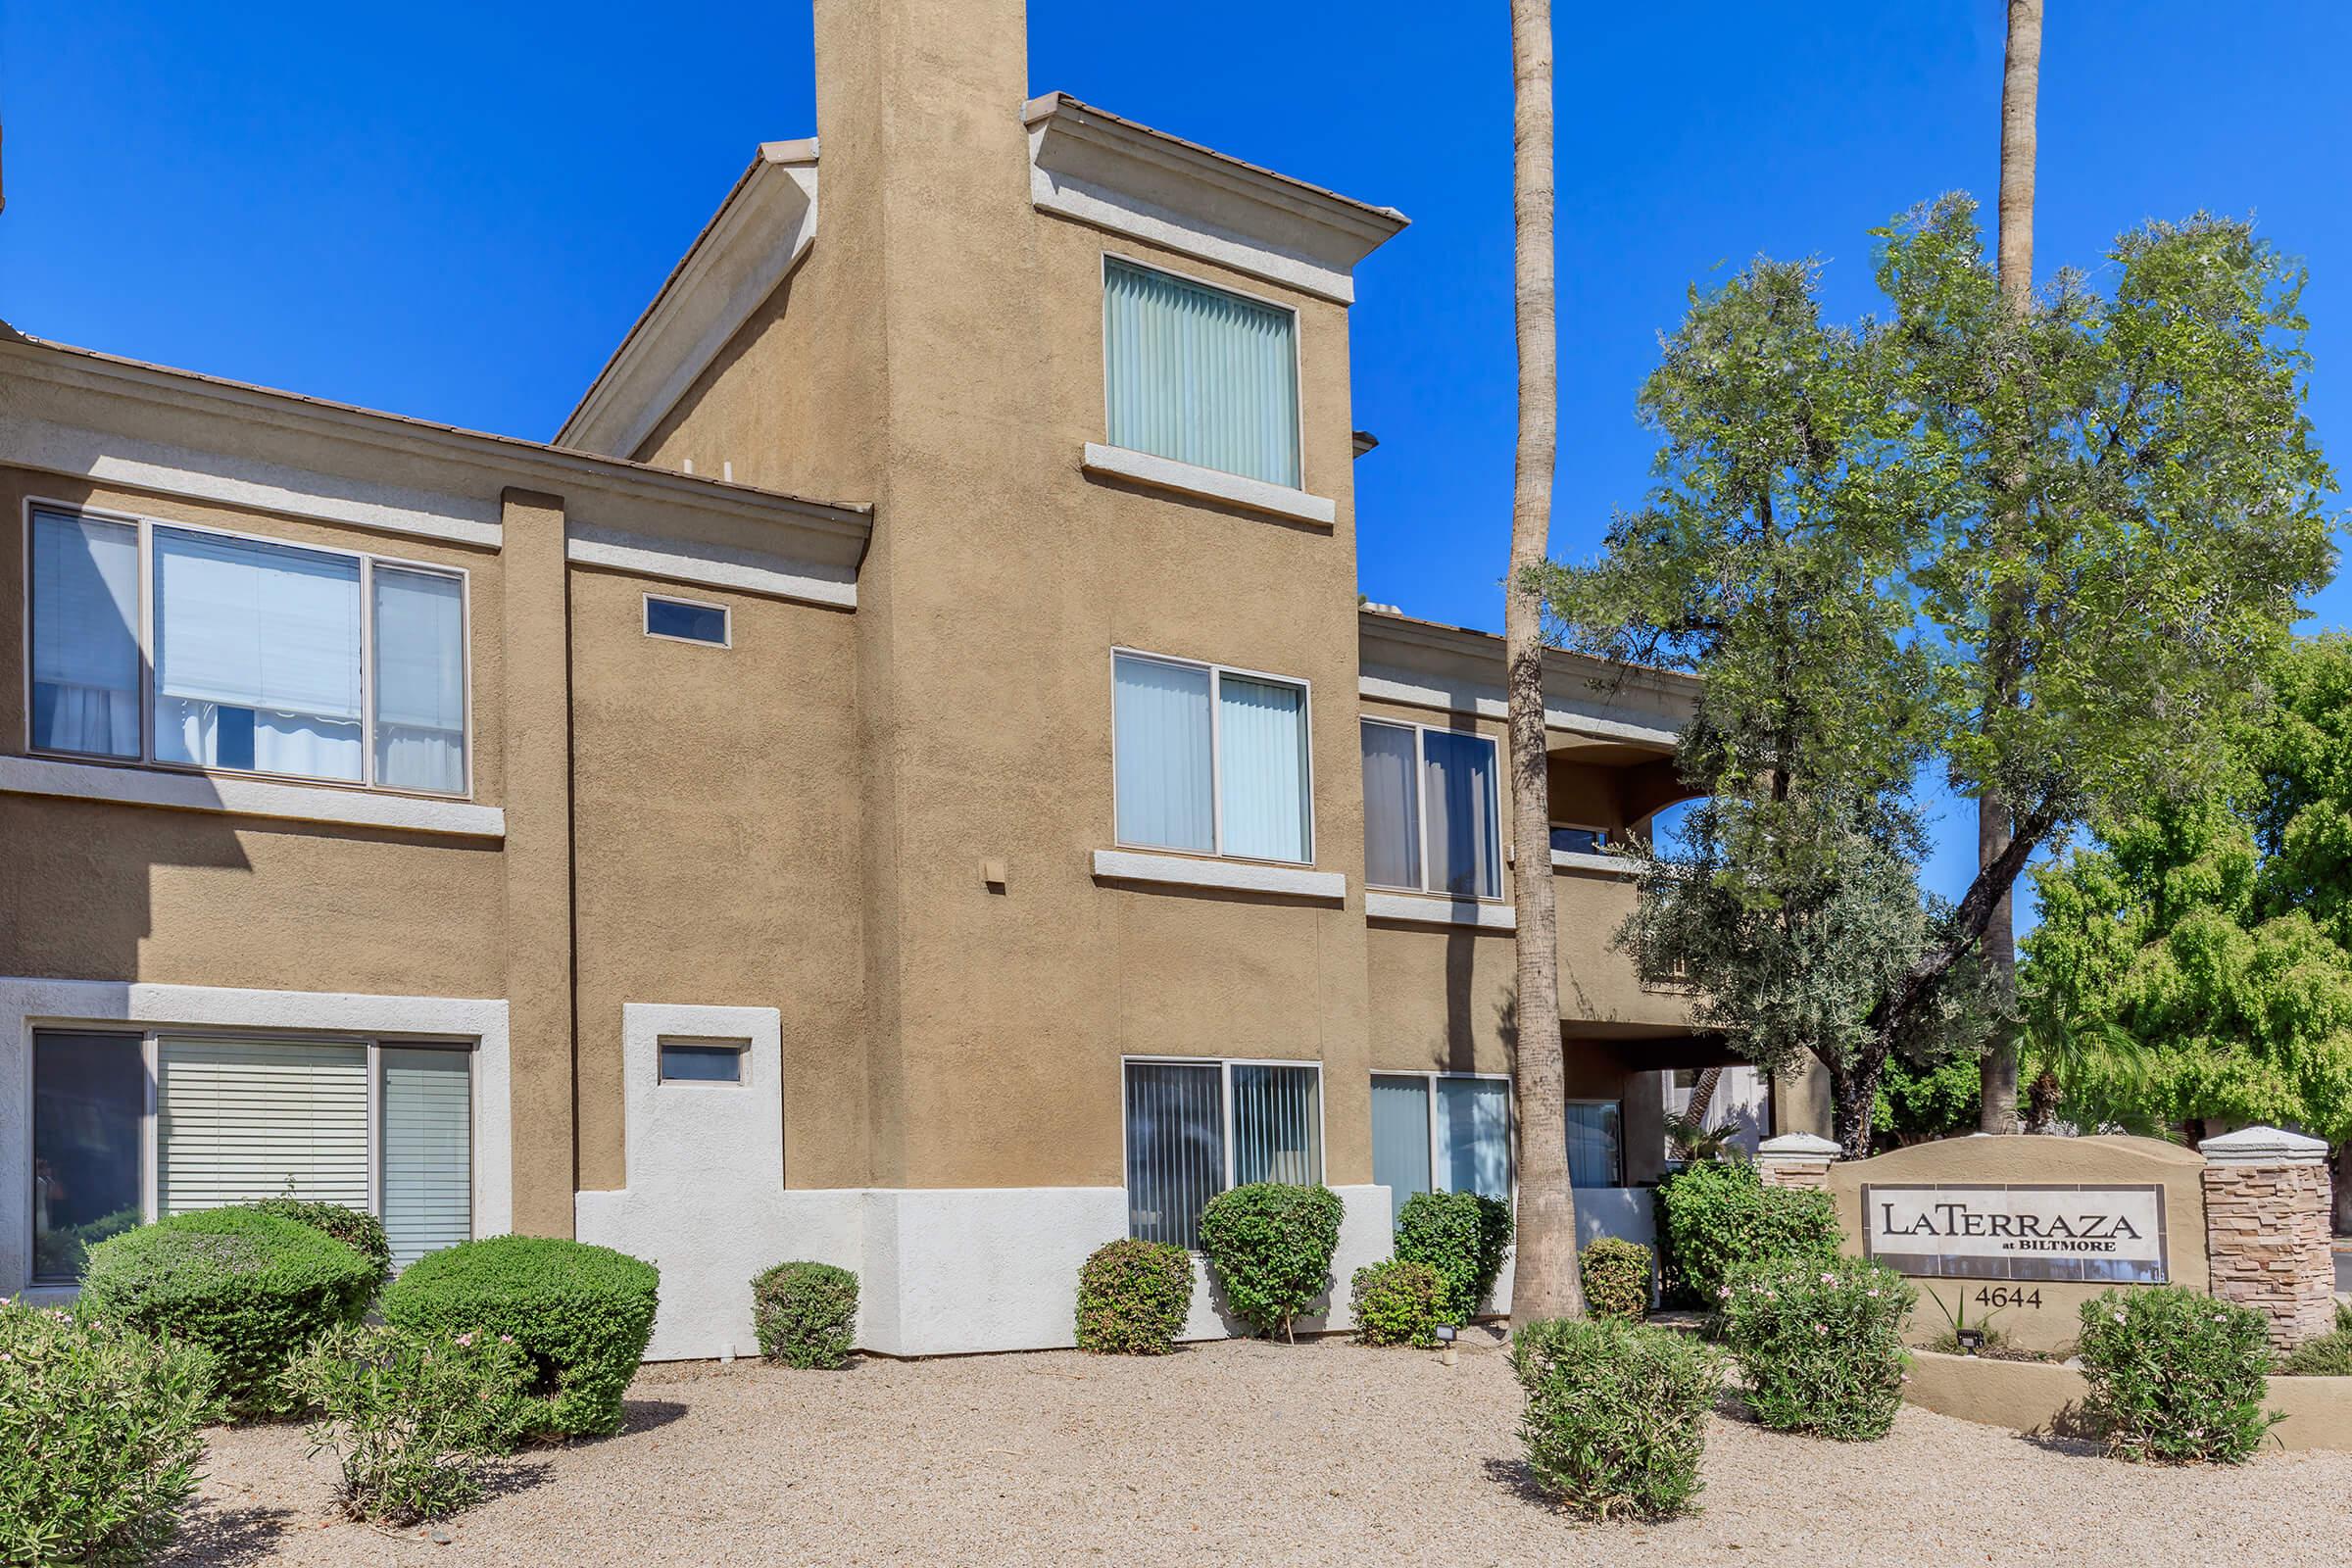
(1579, 840)
(1432, 811)
(1210, 759)
(249, 656)
(1200, 376)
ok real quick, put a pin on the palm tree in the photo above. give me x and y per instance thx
(1545, 1284)
(2021, 86)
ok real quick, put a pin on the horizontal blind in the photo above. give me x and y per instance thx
(239, 1120)
(427, 1150)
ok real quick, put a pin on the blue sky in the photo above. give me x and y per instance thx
(455, 211)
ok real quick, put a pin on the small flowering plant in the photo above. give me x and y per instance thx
(2176, 1375)
(1819, 1344)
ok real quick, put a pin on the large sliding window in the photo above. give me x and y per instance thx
(245, 656)
(381, 1126)
(1195, 1128)
(1198, 374)
(1211, 761)
(1432, 811)
(1442, 1132)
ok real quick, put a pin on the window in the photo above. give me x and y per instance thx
(261, 657)
(1442, 1132)
(1432, 811)
(1595, 1145)
(1195, 1128)
(1210, 761)
(702, 1061)
(684, 620)
(1200, 376)
(373, 1125)
(1579, 840)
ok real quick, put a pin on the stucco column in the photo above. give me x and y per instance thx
(1796, 1159)
(536, 629)
(2265, 1228)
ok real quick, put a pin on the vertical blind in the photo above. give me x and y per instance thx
(85, 645)
(1464, 834)
(1391, 807)
(1262, 737)
(1400, 1138)
(1200, 376)
(1593, 1143)
(1175, 1147)
(419, 681)
(428, 1176)
(1277, 1125)
(1233, 782)
(1161, 733)
(1474, 1136)
(244, 1119)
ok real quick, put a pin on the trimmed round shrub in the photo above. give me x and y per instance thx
(354, 1228)
(582, 1313)
(1819, 1344)
(806, 1314)
(2328, 1356)
(248, 1287)
(1269, 1244)
(100, 1437)
(1133, 1297)
(2175, 1375)
(413, 1420)
(1616, 1414)
(1398, 1303)
(1616, 1275)
(1718, 1214)
(1465, 1237)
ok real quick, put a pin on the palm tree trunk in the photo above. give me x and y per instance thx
(1702, 1095)
(2021, 86)
(1544, 1283)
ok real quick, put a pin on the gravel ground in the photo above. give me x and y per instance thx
(1243, 1452)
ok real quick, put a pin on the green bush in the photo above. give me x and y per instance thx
(100, 1434)
(354, 1228)
(1819, 1344)
(250, 1288)
(582, 1313)
(1465, 1237)
(806, 1314)
(1718, 1214)
(1398, 1303)
(2175, 1375)
(1269, 1244)
(2328, 1356)
(1616, 1413)
(1616, 1275)
(1133, 1297)
(413, 1420)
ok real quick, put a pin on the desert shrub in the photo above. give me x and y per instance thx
(1398, 1303)
(806, 1314)
(1269, 1244)
(99, 1434)
(354, 1228)
(1819, 1344)
(1719, 1214)
(1616, 1275)
(1616, 1413)
(413, 1419)
(2175, 1375)
(2328, 1356)
(1465, 1237)
(250, 1288)
(582, 1313)
(1133, 1297)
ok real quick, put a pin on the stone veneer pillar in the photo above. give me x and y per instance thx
(1796, 1159)
(2265, 1228)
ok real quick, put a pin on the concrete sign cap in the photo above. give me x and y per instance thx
(1798, 1146)
(2263, 1145)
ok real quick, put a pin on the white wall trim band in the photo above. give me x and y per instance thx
(1603, 865)
(1488, 703)
(713, 566)
(1239, 876)
(248, 796)
(1423, 909)
(30, 1002)
(1212, 484)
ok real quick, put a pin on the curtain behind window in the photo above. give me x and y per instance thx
(1200, 376)
(1160, 724)
(86, 644)
(419, 681)
(1464, 838)
(1392, 808)
(1262, 727)
(1592, 1132)
(1474, 1135)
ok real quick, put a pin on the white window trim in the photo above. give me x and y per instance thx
(726, 620)
(1501, 895)
(1216, 760)
(144, 635)
(1510, 1119)
(1225, 1066)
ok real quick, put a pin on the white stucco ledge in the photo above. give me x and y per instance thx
(2263, 1145)
(248, 796)
(1798, 1146)
(1235, 876)
(1422, 908)
(1603, 865)
(1212, 484)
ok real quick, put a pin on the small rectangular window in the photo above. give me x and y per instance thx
(1200, 376)
(1579, 840)
(686, 622)
(702, 1061)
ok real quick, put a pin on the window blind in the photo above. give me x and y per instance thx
(1391, 807)
(1474, 1135)
(427, 1181)
(1262, 734)
(419, 681)
(85, 645)
(1175, 1147)
(239, 1120)
(1161, 722)
(1200, 376)
(1400, 1136)
(1277, 1125)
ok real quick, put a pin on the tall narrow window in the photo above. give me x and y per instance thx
(1166, 775)
(1277, 1124)
(1200, 376)
(1474, 1136)
(1391, 807)
(1175, 1147)
(419, 681)
(1210, 761)
(427, 1142)
(85, 641)
(1594, 1155)
(1432, 811)
(1263, 762)
(1401, 1144)
(90, 1095)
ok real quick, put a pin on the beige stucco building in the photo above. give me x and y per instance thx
(903, 778)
